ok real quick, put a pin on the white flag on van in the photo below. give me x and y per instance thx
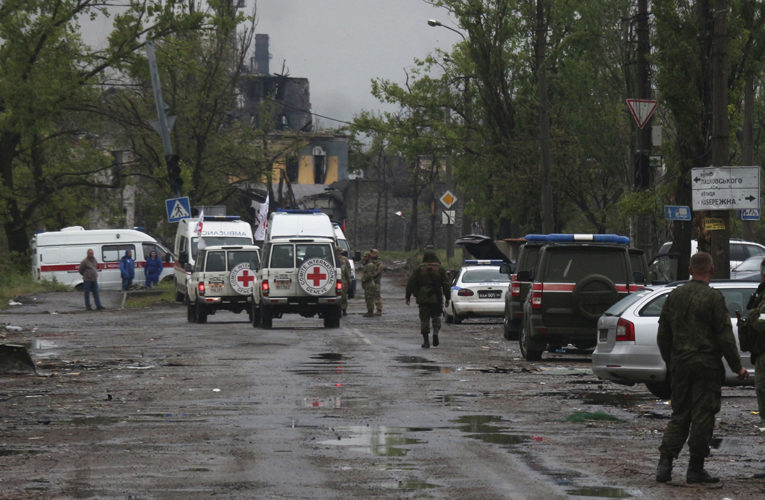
(262, 220)
(198, 229)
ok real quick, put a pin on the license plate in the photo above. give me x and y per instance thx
(282, 283)
(489, 294)
(216, 286)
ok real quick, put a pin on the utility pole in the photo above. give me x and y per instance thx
(164, 124)
(642, 168)
(720, 238)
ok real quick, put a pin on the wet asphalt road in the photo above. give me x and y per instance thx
(141, 404)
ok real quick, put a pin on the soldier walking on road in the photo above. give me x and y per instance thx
(368, 284)
(345, 274)
(695, 332)
(374, 256)
(429, 283)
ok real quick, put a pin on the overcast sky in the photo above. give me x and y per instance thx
(341, 45)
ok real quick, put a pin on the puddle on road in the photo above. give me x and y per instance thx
(419, 363)
(380, 441)
(479, 427)
(618, 400)
(599, 491)
(459, 399)
(326, 363)
(338, 402)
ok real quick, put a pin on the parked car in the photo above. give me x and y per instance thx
(478, 290)
(627, 352)
(748, 270)
(663, 267)
(520, 282)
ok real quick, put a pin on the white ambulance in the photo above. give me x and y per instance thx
(215, 230)
(56, 255)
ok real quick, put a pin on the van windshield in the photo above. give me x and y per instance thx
(218, 240)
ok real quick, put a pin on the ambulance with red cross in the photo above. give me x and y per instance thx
(223, 278)
(299, 273)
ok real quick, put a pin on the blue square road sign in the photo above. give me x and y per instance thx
(178, 208)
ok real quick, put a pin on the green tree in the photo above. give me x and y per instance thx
(46, 153)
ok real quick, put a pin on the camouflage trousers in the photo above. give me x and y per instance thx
(696, 394)
(759, 383)
(430, 312)
(370, 293)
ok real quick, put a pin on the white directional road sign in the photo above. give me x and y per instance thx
(725, 188)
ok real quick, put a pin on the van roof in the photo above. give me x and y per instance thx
(79, 235)
(300, 225)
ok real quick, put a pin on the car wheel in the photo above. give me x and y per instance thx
(332, 319)
(448, 317)
(201, 314)
(593, 294)
(254, 316)
(509, 329)
(191, 313)
(266, 317)
(529, 349)
(661, 390)
(457, 317)
(179, 296)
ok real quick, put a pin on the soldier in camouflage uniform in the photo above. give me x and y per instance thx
(345, 274)
(695, 332)
(756, 321)
(429, 283)
(368, 284)
(374, 255)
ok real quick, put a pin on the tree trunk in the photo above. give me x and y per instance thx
(540, 51)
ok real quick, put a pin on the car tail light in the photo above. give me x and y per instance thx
(264, 288)
(465, 293)
(536, 295)
(625, 330)
(201, 288)
(515, 286)
(339, 287)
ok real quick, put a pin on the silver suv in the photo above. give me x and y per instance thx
(298, 275)
(223, 278)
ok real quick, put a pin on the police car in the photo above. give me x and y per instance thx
(478, 290)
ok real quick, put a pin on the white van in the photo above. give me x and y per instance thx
(342, 242)
(216, 230)
(56, 255)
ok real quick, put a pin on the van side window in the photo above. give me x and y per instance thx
(113, 253)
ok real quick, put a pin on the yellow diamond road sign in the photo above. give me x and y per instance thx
(448, 199)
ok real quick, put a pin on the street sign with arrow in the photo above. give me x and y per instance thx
(725, 188)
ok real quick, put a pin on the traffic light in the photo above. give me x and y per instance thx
(174, 174)
(642, 172)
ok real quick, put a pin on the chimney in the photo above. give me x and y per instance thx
(261, 54)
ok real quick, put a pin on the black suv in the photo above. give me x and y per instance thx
(520, 282)
(575, 278)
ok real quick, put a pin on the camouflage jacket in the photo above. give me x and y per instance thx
(368, 273)
(756, 322)
(345, 270)
(695, 327)
(378, 269)
(428, 283)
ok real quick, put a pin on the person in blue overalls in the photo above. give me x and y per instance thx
(127, 269)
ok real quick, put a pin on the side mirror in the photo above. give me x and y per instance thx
(524, 275)
(183, 257)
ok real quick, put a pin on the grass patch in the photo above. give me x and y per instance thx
(166, 296)
(17, 285)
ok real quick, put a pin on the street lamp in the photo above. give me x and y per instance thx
(435, 22)
(404, 221)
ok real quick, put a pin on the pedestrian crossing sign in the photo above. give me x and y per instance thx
(178, 208)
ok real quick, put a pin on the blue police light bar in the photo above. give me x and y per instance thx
(299, 210)
(483, 262)
(222, 217)
(570, 238)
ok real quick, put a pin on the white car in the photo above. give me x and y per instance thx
(478, 290)
(627, 353)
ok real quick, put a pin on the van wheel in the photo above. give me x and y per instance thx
(661, 390)
(255, 314)
(332, 319)
(510, 329)
(201, 315)
(191, 313)
(179, 296)
(266, 317)
(529, 349)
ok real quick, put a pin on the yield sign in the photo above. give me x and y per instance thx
(641, 109)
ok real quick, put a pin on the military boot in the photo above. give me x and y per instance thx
(697, 474)
(664, 470)
(425, 342)
(435, 337)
